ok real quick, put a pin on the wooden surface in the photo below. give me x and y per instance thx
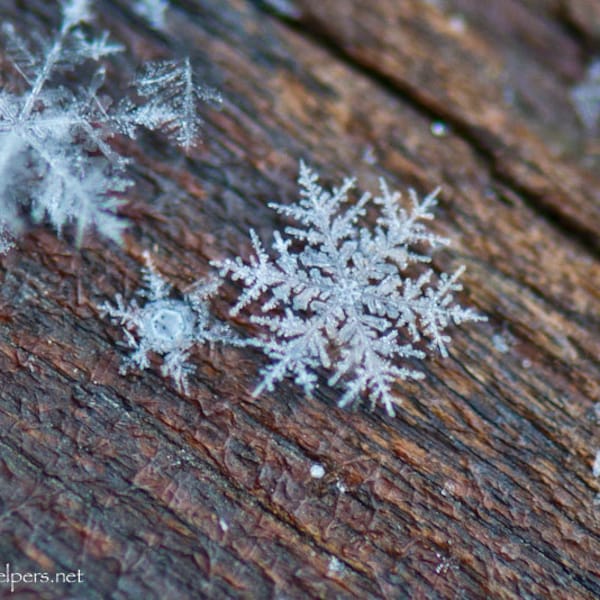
(482, 486)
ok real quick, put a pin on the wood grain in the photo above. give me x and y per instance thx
(481, 487)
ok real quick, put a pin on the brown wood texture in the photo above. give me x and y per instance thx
(482, 485)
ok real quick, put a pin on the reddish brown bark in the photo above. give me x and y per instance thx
(481, 487)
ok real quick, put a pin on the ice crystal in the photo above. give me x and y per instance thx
(56, 159)
(166, 325)
(344, 297)
(172, 95)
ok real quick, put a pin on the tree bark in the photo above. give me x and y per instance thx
(481, 486)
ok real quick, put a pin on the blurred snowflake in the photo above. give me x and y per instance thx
(56, 157)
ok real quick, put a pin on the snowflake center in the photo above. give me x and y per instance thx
(349, 292)
(170, 325)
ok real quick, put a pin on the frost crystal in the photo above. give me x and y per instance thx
(167, 326)
(56, 160)
(339, 296)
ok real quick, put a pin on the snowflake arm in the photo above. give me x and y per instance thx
(296, 348)
(399, 229)
(318, 210)
(257, 277)
(368, 354)
(155, 287)
(436, 311)
(172, 96)
(68, 49)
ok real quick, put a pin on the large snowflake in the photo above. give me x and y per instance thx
(345, 297)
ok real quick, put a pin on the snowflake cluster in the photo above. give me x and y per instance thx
(167, 326)
(342, 297)
(56, 159)
(355, 301)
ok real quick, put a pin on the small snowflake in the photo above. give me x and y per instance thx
(167, 326)
(344, 297)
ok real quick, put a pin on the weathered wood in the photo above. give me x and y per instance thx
(481, 487)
